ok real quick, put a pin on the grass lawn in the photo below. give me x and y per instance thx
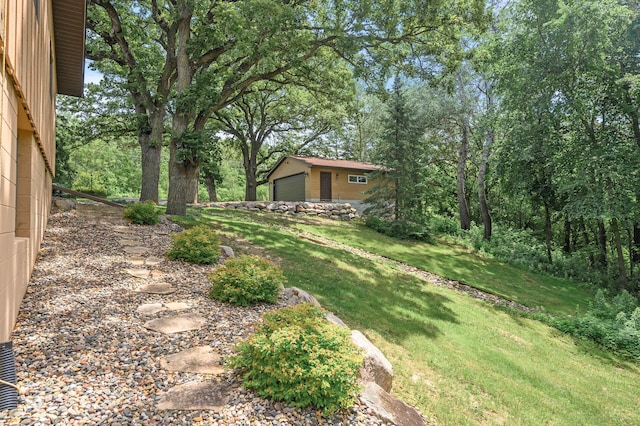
(556, 296)
(458, 360)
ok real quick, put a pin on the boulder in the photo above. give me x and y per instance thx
(227, 251)
(294, 296)
(334, 319)
(64, 204)
(390, 409)
(376, 368)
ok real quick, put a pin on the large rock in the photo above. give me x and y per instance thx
(376, 368)
(64, 204)
(201, 359)
(294, 296)
(207, 395)
(176, 323)
(334, 319)
(227, 251)
(390, 409)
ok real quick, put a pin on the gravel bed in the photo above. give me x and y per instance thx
(83, 356)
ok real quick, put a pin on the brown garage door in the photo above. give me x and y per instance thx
(290, 188)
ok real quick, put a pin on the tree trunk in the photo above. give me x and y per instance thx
(250, 147)
(250, 193)
(150, 131)
(211, 188)
(547, 231)
(463, 206)
(482, 190)
(621, 263)
(181, 172)
(181, 177)
(587, 241)
(635, 247)
(151, 155)
(192, 195)
(602, 244)
(567, 234)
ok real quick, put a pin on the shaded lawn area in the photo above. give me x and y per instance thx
(555, 295)
(459, 360)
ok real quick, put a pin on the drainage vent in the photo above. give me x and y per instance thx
(8, 394)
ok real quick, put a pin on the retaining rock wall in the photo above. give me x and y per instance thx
(343, 211)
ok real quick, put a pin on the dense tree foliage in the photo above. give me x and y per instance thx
(523, 132)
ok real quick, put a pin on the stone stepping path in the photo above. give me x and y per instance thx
(136, 250)
(139, 273)
(200, 359)
(161, 288)
(176, 323)
(153, 308)
(209, 395)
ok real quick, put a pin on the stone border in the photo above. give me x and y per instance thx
(343, 211)
(376, 373)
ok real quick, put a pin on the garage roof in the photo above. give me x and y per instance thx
(334, 164)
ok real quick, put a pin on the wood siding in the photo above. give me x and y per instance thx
(341, 189)
(289, 167)
(27, 147)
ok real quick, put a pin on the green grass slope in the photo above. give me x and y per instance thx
(458, 360)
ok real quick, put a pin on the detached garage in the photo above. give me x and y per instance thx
(297, 178)
(289, 188)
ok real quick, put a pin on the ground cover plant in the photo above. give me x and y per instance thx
(457, 359)
(143, 213)
(199, 244)
(299, 357)
(245, 280)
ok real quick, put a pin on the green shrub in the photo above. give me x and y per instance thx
(245, 280)
(196, 245)
(145, 213)
(402, 229)
(97, 191)
(612, 324)
(299, 357)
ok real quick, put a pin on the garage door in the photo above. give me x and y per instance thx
(290, 188)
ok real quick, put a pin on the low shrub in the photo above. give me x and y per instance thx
(245, 280)
(402, 229)
(97, 191)
(299, 357)
(199, 244)
(144, 213)
(612, 324)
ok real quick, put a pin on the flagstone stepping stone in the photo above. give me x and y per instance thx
(138, 273)
(153, 261)
(137, 260)
(208, 395)
(176, 306)
(136, 250)
(131, 243)
(151, 308)
(201, 359)
(176, 323)
(157, 274)
(156, 288)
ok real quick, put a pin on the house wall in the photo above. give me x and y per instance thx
(289, 167)
(341, 189)
(27, 146)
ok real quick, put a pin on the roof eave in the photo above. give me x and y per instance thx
(69, 17)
